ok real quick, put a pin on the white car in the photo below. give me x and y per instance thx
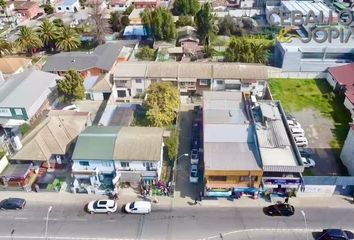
(297, 132)
(193, 177)
(293, 123)
(102, 206)
(72, 107)
(139, 207)
(194, 156)
(308, 162)
(301, 141)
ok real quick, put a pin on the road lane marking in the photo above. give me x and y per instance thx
(21, 218)
(63, 238)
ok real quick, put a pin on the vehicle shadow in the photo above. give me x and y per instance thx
(316, 235)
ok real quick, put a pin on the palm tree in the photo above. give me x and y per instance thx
(48, 33)
(68, 39)
(28, 40)
(5, 47)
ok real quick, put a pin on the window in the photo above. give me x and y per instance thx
(204, 82)
(59, 8)
(246, 84)
(217, 178)
(148, 164)
(106, 163)
(139, 90)
(219, 82)
(261, 83)
(84, 163)
(124, 164)
(248, 179)
(138, 81)
(67, 8)
(307, 55)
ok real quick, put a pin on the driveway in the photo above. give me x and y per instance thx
(318, 130)
(185, 189)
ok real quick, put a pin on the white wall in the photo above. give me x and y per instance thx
(347, 154)
(349, 106)
(316, 191)
(101, 165)
(134, 165)
(68, 8)
(3, 163)
(97, 96)
(135, 85)
(331, 81)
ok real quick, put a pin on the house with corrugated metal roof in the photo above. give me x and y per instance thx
(105, 156)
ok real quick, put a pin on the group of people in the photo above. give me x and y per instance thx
(161, 187)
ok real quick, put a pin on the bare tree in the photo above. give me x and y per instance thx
(101, 26)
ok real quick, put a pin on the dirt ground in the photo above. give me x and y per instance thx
(319, 132)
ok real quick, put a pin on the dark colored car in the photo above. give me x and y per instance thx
(195, 144)
(12, 203)
(281, 209)
(335, 234)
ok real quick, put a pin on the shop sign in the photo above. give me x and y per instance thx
(281, 181)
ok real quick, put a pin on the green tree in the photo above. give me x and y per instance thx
(229, 26)
(146, 54)
(58, 22)
(129, 10)
(248, 50)
(48, 9)
(159, 23)
(118, 21)
(162, 103)
(71, 87)
(5, 47)
(48, 33)
(186, 7)
(185, 21)
(68, 39)
(205, 23)
(28, 40)
(172, 144)
(209, 51)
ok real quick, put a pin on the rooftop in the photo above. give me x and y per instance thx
(344, 76)
(117, 116)
(103, 57)
(119, 143)
(205, 70)
(229, 138)
(10, 65)
(277, 152)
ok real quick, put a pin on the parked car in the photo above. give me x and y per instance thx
(193, 176)
(194, 156)
(281, 209)
(195, 143)
(301, 141)
(102, 206)
(335, 234)
(72, 107)
(297, 132)
(138, 207)
(308, 162)
(290, 117)
(305, 152)
(12, 203)
(293, 123)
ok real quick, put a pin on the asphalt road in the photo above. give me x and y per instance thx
(193, 222)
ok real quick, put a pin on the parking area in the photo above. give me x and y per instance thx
(322, 116)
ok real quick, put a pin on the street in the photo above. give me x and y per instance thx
(70, 221)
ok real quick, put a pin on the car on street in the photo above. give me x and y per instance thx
(305, 152)
(138, 207)
(293, 123)
(194, 156)
(280, 209)
(308, 162)
(335, 234)
(301, 141)
(193, 176)
(290, 117)
(12, 203)
(195, 143)
(297, 132)
(102, 206)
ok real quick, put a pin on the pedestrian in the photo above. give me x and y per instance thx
(286, 200)
(195, 201)
(200, 196)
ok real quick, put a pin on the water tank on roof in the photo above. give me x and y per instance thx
(16, 143)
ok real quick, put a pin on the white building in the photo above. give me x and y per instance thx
(68, 6)
(347, 154)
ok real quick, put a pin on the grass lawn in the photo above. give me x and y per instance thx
(298, 94)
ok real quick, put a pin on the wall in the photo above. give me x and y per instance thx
(347, 154)
(101, 165)
(68, 8)
(135, 165)
(316, 191)
(3, 163)
(97, 96)
(349, 106)
(331, 80)
(233, 177)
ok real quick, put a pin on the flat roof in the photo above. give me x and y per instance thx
(276, 150)
(229, 138)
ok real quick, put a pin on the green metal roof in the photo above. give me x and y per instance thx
(96, 143)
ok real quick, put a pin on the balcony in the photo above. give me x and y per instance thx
(124, 84)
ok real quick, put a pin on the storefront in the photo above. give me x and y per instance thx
(281, 187)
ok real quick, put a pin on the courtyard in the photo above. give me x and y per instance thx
(323, 117)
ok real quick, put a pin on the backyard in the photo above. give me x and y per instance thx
(320, 109)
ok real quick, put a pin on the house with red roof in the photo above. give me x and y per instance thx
(341, 78)
(347, 154)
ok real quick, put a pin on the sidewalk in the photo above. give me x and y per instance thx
(335, 201)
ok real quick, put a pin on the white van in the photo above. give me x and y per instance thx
(301, 141)
(297, 132)
(139, 207)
